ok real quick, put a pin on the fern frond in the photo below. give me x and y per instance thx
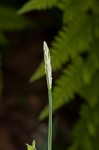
(72, 8)
(96, 22)
(95, 6)
(37, 5)
(68, 44)
(91, 91)
(75, 6)
(87, 129)
(92, 64)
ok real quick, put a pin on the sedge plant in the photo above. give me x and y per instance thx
(48, 72)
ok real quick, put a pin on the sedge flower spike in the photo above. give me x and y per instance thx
(48, 69)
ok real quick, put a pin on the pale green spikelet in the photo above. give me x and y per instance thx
(48, 70)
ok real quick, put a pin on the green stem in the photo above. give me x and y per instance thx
(50, 120)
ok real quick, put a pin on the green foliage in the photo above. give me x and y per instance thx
(37, 5)
(78, 35)
(78, 43)
(9, 20)
(31, 147)
(86, 131)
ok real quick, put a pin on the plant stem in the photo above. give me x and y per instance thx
(48, 72)
(50, 120)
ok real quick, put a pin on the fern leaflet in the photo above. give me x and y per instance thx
(37, 5)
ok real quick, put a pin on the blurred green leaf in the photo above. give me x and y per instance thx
(29, 147)
(10, 20)
(36, 5)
